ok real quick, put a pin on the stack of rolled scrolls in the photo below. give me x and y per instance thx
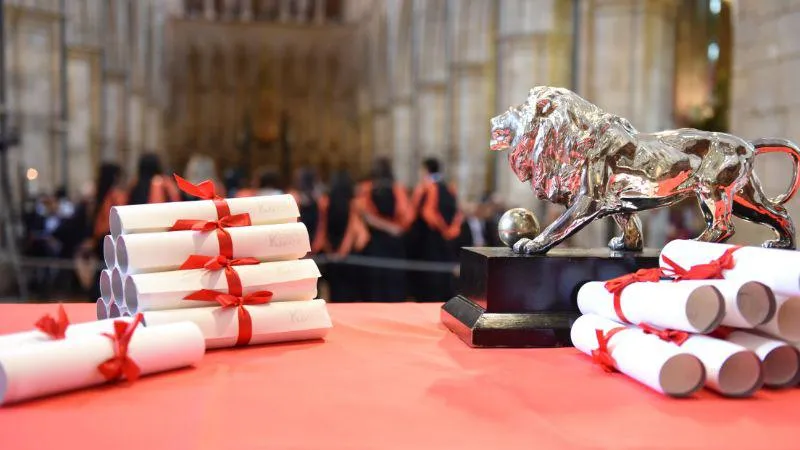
(234, 267)
(718, 316)
(180, 278)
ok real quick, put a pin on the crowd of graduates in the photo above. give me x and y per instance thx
(370, 234)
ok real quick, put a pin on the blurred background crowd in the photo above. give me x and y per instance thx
(365, 103)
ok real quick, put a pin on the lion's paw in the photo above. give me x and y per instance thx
(535, 247)
(778, 243)
(519, 246)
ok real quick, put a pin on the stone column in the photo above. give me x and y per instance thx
(246, 14)
(210, 9)
(319, 12)
(627, 68)
(532, 49)
(471, 77)
(766, 97)
(285, 10)
(430, 19)
(400, 66)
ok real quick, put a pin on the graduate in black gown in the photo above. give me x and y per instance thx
(307, 197)
(438, 227)
(385, 209)
(345, 234)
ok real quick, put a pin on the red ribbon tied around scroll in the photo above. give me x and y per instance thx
(617, 285)
(675, 336)
(121, 364)
(218, 263)
(709, 271)
(55, 328)
(239, 301)
(204, 190)
(225, 241)
(602, 355)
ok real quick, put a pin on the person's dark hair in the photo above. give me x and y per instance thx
(341, 193)
(149, 167)
(305, 180)
(431, 165)
(382, 170)
(107, 176)
(269, 179)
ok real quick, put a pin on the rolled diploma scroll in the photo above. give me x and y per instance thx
(677, 306)
(287, 280)
(161, 252)
(118, 286)
(780, 361)
(102, 309)
(156, 217)
(106, 291)
(59, 366)
(747, 303)
(273, 322)
(778, 269)
(109, 252)
(113, 311)
(14, 340)
(731, 369)
(785, 323)
(645, 358)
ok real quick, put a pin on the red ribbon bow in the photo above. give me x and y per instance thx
(617, 285)
(239, 301)
(55, 328)
(709, 271)
(225, 241)
(676, 336)
(121, 364)
(602, 355)
(206, 191)
(221, 262)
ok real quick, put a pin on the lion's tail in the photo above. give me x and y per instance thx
(787, 147)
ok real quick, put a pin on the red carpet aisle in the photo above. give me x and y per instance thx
(389, 377)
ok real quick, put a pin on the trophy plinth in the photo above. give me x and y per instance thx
(511, 300)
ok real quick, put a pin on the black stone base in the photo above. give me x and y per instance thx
(510, 300)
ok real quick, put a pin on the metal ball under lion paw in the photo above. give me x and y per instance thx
(516, 224)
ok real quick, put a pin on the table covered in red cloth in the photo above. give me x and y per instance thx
(389, 376)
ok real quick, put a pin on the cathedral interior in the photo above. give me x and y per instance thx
(333, 84)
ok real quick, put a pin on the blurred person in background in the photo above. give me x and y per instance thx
(385, 209)
(267, 181)
(345, 234)
(438, 228)
(201, 168)
(109, 192)
(41, 241)
(306, 194)
(151, 186)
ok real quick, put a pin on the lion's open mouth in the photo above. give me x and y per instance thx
(501, 139)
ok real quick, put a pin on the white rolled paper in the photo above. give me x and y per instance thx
(645, 358)
(778, 269)
(156, 217)
(780, 361)
(677, 306)
(101, 309)
(785, 323)
(15, 340)
(118, 286)
(273, 322)
(161, 252)
(59, 366)
(106, 290)
(747, 303)
(287, 280)
(731, 369)
(113, 311)
(109, 252)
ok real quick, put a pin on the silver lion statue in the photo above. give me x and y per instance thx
(597, 165)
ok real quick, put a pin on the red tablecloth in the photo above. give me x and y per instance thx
(388, 376)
